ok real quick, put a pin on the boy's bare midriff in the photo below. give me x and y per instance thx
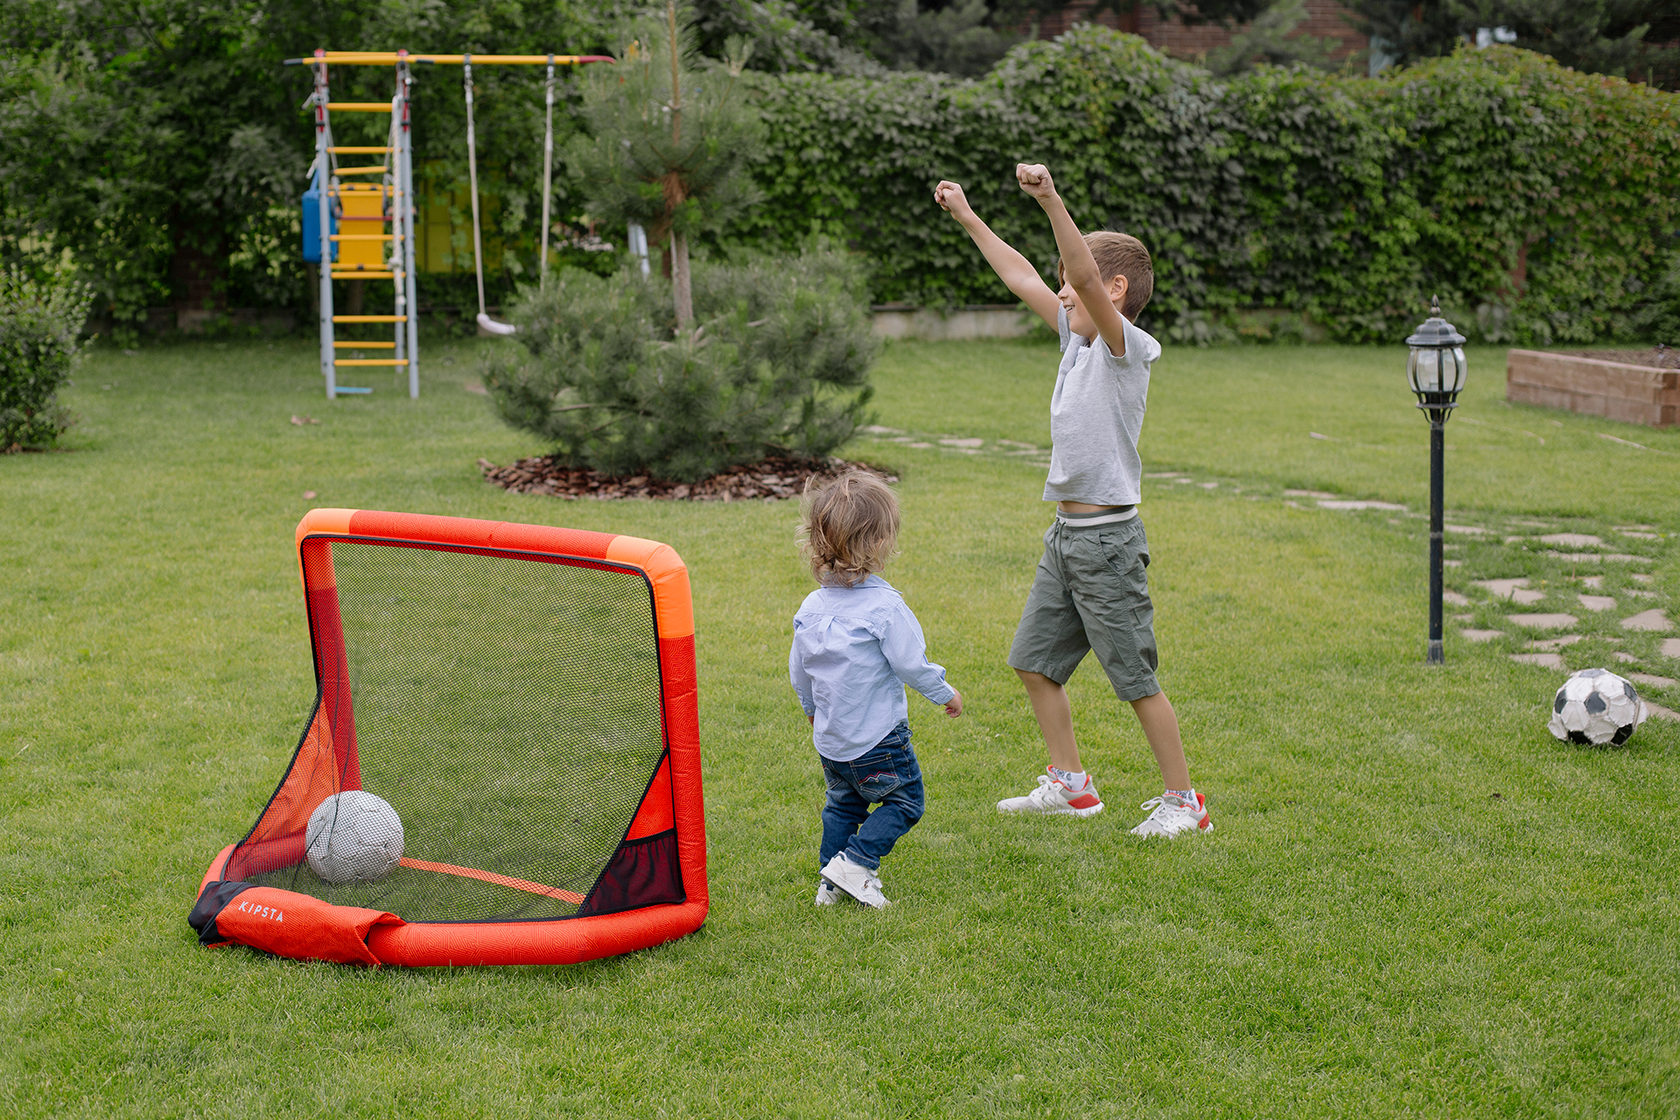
(1082, 507)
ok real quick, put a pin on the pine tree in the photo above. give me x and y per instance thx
(669, 145)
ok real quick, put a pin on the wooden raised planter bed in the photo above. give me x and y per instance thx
(1630, 386)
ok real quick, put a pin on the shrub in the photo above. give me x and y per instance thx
(1497, 178)
(40, 336)
(777, 364)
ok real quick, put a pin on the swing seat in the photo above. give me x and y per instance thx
(490, 326)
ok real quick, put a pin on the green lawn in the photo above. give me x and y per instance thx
(1415, 901)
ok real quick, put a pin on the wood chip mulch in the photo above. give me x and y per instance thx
(768, 480)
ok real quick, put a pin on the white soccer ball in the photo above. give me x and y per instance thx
(353, 835)
(1598, 707)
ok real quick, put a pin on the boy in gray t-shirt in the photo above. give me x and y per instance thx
(1090, 591)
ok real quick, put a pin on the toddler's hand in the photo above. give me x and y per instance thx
(953, 706)
(1035, 179)
(950, 196)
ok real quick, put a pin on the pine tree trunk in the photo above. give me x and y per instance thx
(682, 290)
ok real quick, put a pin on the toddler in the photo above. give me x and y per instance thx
(855, 648)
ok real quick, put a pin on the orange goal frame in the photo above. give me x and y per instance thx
(298, 925)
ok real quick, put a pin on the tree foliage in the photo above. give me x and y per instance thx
(1271, 41)
(1637, 39)
(160, 142)
(965, 38)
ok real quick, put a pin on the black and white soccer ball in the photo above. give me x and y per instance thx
(1596, 706)
(354, 835)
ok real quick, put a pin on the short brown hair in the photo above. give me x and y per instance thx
(1121, 254)
(848, 528)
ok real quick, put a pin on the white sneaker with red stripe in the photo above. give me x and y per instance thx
(1051, 796)
(1171, 815)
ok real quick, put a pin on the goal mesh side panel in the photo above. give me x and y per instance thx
(509, 710)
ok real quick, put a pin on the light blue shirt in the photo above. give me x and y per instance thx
(854, 651)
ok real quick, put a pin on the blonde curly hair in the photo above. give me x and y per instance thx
(848, 528)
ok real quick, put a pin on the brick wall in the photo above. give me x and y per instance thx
(1325, 20)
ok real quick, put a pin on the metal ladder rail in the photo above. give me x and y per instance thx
(409, 307)
(323, 163)
(399, 262)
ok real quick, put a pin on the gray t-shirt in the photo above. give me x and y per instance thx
(1096, 413)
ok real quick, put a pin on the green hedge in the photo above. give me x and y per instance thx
(1542, 205)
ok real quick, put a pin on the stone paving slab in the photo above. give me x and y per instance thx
(1542, 621)
(1553, 643)
(1453, 598)
(1612, 557)
(1544, 660)
(1351, 503)
(1670, 648)
(1657, 711)
(1573, 540)
(1652, 680)
(1481, 635)
(1514, 590)
(1652, 620)
(1597, 602)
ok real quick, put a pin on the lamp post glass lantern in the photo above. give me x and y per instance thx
(1436, 370)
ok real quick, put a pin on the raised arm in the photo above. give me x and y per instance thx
(1079, 268)
(1012, 268)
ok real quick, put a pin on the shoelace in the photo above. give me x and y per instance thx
(1043, 792)
(1158, 807)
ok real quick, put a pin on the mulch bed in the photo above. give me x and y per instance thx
(1660, 357)
(768, 480)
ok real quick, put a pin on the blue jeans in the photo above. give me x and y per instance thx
(888, 776)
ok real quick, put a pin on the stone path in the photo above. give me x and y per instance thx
(1585, 592)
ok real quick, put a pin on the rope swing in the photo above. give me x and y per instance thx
(548, 169)
(485, 323)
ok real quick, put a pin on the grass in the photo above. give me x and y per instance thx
(1416, 902)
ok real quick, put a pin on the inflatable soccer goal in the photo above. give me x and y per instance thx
(502, 765)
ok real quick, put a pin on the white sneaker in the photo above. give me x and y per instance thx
(1172, 815)
(827, 893)
(1052, 796)
(856, 880)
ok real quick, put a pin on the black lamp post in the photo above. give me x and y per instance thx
(1436, 370)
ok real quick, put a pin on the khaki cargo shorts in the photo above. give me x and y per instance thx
(1091, 592)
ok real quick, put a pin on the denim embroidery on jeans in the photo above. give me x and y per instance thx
(887, 777)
